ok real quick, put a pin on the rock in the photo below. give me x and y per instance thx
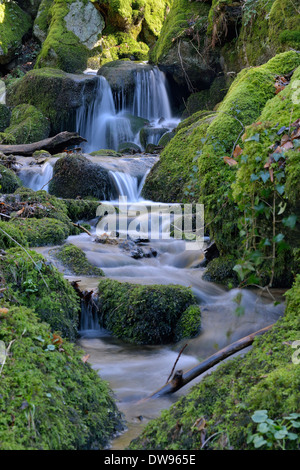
(75, 260)
(56, 93)
(69, 42)
(30, 6)
(28, 125)
(42, 20)
(9, 181)
(129, 148)
(121, 74)
(14, 24)
(105, 153)
(150, 134)
(165, 139)
(74, 175)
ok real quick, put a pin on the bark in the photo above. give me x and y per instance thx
(53, 145)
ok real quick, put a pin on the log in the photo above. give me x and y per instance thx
(53, 145)
(180, 379)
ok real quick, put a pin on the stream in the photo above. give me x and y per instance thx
(134, 372)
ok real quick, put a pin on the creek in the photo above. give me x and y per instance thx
(134, 372)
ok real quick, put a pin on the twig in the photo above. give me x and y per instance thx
(82, 228)
(6, 354)
(180, 352)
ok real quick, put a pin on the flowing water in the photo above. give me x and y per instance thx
(134, 372)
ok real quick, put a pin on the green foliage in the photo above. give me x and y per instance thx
(35, 283)
(13, 233)
(4, 117)
(274, 434)
(76, 261)
(147, 314)
(52, 399)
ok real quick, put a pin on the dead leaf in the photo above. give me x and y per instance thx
(271, 174)
(287, 146)
(56, 339)
(199, 424)
(20, 212)
(296, 134)
(285, 138)
(237, 151)
(230, 161)
(85, 358)
(3, 312)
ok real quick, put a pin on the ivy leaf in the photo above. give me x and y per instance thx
(264, 176)
(280, 188)
(278, 238)
(253, 177)
(259, 416)
(254, 137)
(290, 221)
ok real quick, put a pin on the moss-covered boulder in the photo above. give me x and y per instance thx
(42, 232)
(9, 181)
(154, 314)
(14, 24)
(75, 261)
(37, 284)
(75, 175)
(81, 209)
(28, 125)
(42, 20)
(11, 236)
(58, 402)
(220, 270)
(55, 93)
(69, 43)
(265, 378)
(4, 117)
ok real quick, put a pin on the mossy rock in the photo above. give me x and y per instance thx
(81, 209)
(44, 376)
(11, 236)
(14, 24)
(5, 114)
(69, 44)
(147, 314)
(165, 139)
(129, 148)
(105, 153)
(55, 93)
(37, 284)
(75, 175)
(75, 260)
(9, 181)
(42, 232)
(42, 20)
(220, 270)
(28, 124)
(263, 379)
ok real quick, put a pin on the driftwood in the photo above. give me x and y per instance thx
(53, 145)
(82, 228)
(180, 379)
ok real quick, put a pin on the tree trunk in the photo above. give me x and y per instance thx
(53, 145)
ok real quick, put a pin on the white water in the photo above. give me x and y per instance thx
(36, 177)
(105, 122)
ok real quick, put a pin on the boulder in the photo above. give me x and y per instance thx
(75, 175)
(56, 93)
(28, 125)
(14, 24)
(4, 117)
(129, 148)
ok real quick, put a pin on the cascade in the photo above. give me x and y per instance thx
(106, 121)
(36, 177)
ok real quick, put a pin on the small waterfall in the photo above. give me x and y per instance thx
(151, 99)
(89, 313)
(104, 122)
(99, 122)
(127, 185)
(36, 177)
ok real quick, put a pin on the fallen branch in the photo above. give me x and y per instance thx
(53, 145)
(82, 228)
(179, 379)
(180, 352)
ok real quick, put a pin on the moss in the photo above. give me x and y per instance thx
(14, 24)
(42, 20)
(76, 261)
(80, 209)
(264, 378)
(173, 178)
(189, 324)
(4, 117)
(43, 232)
(75, 175)
(9, 181)
(146, 314)
(254, 189)
(54, 400)
(28, 124)
(7, 139)
(220, 270)
(105, 153)
(13, 233)
(35, 283)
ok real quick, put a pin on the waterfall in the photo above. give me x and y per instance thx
(105, 123)
(36, 177)
(151, 99)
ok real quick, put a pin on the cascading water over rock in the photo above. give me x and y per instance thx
(108, 120)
